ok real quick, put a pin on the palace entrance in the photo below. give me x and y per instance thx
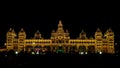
(60, 49)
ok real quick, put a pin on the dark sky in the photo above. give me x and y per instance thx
(46, 19)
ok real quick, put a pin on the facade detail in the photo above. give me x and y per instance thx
(60, 42)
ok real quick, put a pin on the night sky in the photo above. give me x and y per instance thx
(46, 19)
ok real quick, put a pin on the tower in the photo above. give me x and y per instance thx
(83, 35)
(10, 39)
(98, 38)
(21, 40)
(37, 35)
(98, 35)
(109, 36)
(60, 35)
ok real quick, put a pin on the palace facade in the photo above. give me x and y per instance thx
(60, 41)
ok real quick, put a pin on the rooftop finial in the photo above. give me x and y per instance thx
(60, 23)
(22, 30)
(98, 30)
(10, 29)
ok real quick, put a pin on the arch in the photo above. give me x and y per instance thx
(82, 49)
(60, 51)
(37, 48)
(72, 49)
(91, 49)
(47, 48)
(29, 48)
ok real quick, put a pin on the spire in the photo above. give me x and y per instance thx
(82, 32)
(53, 31)
(10, 30)
(98, 33)
(60, 23)
(66, 31)
(22, 30)
(37, 32)
(37, 35)
(83, 35)
(109, 30)
(13, 31)
(60, 27)
(98, 30)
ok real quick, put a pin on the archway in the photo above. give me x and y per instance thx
(47, 48)
(29, 48)
(60, 49)
(37, 49)
(82, 49)
(73, 49)
(91, 49)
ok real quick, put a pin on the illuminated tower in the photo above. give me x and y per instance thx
(37, 35)
(109, 35)
(83, 35)
(21, 39)
(98, 38)
(10, 39)
(60, 37)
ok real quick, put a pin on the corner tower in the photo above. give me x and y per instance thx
(21, 39)
(109, 36)
(10, 38)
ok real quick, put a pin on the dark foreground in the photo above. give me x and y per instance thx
(59, 60)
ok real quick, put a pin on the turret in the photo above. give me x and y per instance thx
(82, 35)
(22, 34)
(37, 35)
(21, 39)
(98, 35)
(60, 27)
(10, 36)
(109, 35)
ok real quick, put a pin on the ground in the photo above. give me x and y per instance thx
(59, 60)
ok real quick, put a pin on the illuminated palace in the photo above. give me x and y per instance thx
(60, 41)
